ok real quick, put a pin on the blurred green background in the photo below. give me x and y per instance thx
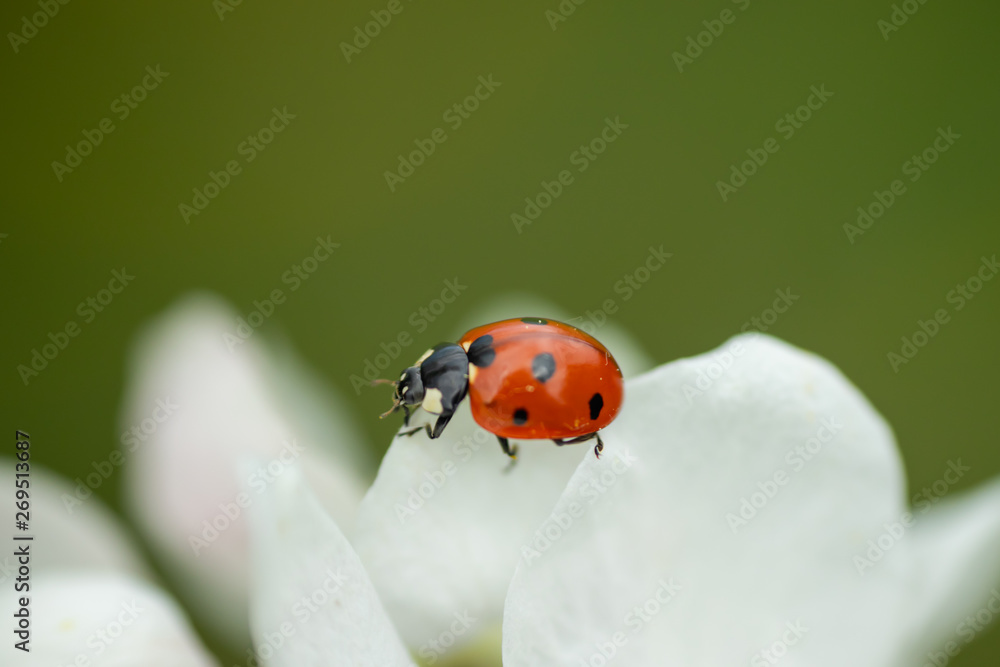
(655, 185)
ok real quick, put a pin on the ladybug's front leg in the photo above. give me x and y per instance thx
(425, 427)
(439, 425)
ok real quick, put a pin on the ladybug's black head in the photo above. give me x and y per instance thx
(438, 381)
(409, 388)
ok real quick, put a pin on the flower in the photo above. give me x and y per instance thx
(86, 596)
(236, 399)
(750, 505)
(775, 503)
(230, 398)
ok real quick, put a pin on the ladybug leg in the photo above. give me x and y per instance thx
(439, 425)
(598, 448)
(406, 415)
(509, 450)
(425, 427)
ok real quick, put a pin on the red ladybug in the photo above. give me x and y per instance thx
(526, 378)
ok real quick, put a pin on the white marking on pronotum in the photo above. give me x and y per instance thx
(466, 345)
(473, 370)
(432, 401)
(424, 356)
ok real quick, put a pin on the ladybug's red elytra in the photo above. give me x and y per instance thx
(527, 378)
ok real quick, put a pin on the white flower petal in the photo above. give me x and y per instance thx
(951, 559)
(313, 604)
(77, 531)
(653, 562)
(222, 398)
(102, 620)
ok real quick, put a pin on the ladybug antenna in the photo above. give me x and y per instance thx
(395, 406)
(395, 401)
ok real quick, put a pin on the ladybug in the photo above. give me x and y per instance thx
(526, 378)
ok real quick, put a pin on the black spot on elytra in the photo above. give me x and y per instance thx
(596, 404)
(481, 352)
(543, 366)
(534, 320)
(520, 416)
